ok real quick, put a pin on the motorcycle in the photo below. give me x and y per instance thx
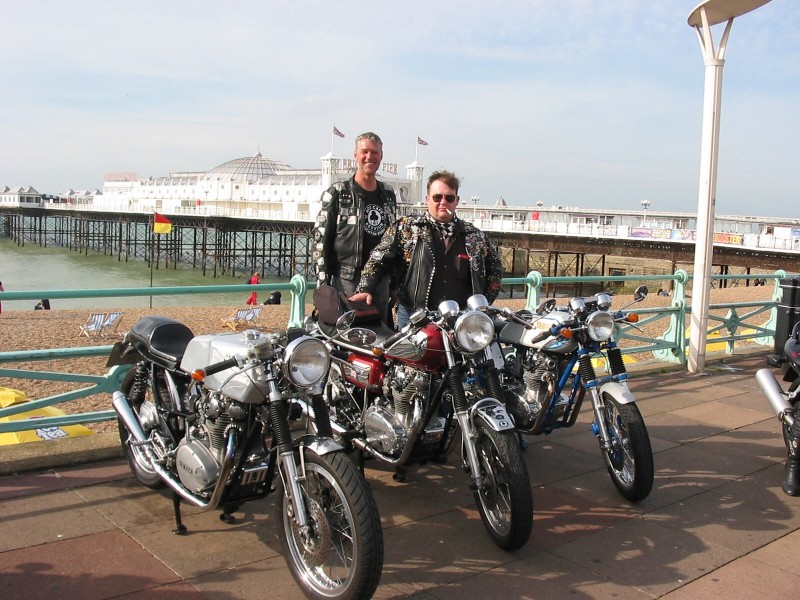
(548, 370)
(210, 417)
(786, 405)
(402, 397)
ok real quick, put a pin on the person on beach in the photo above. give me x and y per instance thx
(353, 217)
(1, 290)
(433, 257)
(255, 279)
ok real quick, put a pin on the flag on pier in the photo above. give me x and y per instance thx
(161, 224)
(337, 132)
(421, 142)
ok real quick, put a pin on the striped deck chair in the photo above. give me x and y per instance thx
(111, 323)
(237, 319)
(252, 316)
(94, 324)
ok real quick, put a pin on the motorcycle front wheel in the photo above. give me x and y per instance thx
(339, 555)
(630, 459)
(505, 500)
(139, 464)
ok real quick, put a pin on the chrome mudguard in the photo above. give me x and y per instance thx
(318, 444)
(493, 413)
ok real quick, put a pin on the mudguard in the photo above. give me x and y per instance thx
(492, 413)
(618, 391)
(318, 444)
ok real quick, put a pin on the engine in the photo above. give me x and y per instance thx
(530, 387)
(200, 453)
(389, 419)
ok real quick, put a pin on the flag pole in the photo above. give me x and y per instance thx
(416, 149)
(152, 248)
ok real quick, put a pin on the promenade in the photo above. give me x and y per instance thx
(716, 524)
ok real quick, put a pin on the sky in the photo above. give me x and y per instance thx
(582, 103)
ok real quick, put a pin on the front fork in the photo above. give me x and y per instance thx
(589, 381)
(287, 467)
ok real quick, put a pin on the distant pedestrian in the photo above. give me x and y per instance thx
(1, 290)
(254, 280)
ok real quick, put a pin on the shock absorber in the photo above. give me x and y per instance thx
(615, 361)
(139, 386)
(322, 417)
(493, 385)
(586, 370)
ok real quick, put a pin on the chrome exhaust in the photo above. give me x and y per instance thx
(778, 399)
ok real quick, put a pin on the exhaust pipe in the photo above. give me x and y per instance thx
(778, 399)
(125, 412)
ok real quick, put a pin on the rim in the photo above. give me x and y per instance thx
(326, 557)
(495, 495)
(619, 457)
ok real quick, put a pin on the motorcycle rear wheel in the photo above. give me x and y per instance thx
(506, 500)
(341, 556)
(139, 464)
(630, 459)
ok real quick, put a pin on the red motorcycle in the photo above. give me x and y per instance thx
(402, 397)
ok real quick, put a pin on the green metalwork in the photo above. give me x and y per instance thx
(670, 346)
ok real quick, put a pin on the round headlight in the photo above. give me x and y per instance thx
(306, 361)
(474, 331)
(600, 326)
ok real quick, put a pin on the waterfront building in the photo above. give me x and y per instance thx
(252, 186)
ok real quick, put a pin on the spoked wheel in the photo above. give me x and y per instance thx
(630, 459)
(339, 554)
(137, 460)
(505, 500)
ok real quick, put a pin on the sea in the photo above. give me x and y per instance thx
(31, 267)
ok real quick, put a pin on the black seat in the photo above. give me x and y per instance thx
(161, 339)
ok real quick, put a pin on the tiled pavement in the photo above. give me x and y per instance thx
(716, 524)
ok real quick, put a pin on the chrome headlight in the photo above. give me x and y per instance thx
(474, 331)
(600, 326)
(306, 361)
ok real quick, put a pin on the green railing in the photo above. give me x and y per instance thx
(738, 324)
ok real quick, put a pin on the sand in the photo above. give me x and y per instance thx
(30, 330)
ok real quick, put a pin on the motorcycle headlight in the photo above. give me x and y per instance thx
(474, 331)
(306, 361)
(600, 326)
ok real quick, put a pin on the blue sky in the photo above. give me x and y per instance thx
(594, 104)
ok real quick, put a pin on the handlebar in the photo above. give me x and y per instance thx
(221, 365)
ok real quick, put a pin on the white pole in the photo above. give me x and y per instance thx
(706, 200)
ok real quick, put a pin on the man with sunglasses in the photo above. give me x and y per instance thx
(354, 215)
(433, 257)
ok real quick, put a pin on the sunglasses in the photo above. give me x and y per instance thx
(450, 198)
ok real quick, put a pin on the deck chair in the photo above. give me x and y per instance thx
(237, 319)
(252, 316)
(111, 323)
(94, 324)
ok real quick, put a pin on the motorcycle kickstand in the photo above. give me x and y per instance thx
(180, 528)
(400, 474)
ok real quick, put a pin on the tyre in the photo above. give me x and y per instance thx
(137, 460)
(505, 500)
(630, 459)
(340, 554)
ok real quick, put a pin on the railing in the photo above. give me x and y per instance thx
(739, 323)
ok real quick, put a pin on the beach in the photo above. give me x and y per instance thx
(34, 330)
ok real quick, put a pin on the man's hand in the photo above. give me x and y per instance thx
(361, 297)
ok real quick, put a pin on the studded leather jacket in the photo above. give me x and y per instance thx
(406, 251)
(339, 232)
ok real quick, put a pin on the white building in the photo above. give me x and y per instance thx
(251, 186)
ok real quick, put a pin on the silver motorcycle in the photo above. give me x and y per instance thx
(210, 417)
(548, 370)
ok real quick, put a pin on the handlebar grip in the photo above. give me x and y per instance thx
(394, 338)
(221, 365)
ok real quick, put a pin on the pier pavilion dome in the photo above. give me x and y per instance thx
(249, 168)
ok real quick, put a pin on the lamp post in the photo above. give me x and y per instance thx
(475, 200)
(702, 18)
(645, 205)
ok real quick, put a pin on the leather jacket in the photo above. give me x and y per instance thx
(406, 252)
(339, 231)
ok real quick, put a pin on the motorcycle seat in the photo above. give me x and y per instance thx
(161, 339)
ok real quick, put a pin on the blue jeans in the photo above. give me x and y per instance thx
(403, 315)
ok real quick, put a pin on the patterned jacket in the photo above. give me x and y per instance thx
(406, 252)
